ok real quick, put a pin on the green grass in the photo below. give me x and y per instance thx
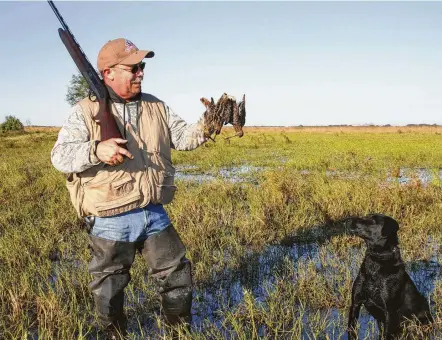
(238, 235)
(319, 151)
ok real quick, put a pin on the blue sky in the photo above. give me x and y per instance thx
(309, 63)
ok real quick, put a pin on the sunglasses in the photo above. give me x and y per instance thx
(134, 68)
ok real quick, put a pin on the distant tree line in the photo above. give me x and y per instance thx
(366, 125)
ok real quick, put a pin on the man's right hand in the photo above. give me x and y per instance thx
(110, 152)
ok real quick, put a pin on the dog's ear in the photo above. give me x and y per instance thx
(390, 226)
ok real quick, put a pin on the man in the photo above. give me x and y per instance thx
(120, 185)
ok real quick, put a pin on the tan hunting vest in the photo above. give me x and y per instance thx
(105, 190)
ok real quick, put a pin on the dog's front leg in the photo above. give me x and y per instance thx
(356, 303)
(353, 317)
(391, 325)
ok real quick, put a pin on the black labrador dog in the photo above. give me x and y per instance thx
(382, 285)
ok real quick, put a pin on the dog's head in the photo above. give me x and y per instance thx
(376, 229)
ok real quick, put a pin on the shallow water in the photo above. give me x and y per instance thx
(426, 176)
(247, 173)
(235, 174)
(260, 271)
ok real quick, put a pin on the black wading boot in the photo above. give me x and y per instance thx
(165, 255)
(110, 267)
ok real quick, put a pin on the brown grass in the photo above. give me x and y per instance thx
(349, 129)
(42, 128)
(333, 129)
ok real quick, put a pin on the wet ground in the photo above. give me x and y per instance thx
(259, 272)
(235, 174)
(247, 173)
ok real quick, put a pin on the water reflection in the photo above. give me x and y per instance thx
(243, 173)
(248, 173)
(258, 274)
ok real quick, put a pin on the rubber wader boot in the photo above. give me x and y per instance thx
(110, 267)
(165, 255)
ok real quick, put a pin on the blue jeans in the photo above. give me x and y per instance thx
(132, 226)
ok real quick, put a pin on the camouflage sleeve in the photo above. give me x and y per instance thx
(73, 150)
(185, 136)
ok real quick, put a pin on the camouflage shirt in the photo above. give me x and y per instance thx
(72, 151)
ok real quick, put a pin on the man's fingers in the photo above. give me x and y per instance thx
(111, 162)
(118, 158)
(126, 153)
(119, 140)
(111, 153)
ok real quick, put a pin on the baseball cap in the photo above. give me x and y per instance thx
(120, 51)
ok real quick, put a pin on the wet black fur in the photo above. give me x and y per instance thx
(382, 285)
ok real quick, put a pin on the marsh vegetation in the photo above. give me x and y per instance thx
(260, 217)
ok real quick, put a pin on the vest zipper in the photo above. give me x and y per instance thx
(149, 185)
(124, 120)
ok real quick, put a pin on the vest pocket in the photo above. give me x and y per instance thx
(166, 191)
(161, 177)
(118, 205)
(73, 185)
(111, 193)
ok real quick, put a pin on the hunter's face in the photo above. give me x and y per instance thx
(127, 79)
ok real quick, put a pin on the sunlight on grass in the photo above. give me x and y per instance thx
(270, 258)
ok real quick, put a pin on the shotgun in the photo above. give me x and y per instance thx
(104, 118)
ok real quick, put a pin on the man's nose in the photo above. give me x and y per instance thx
(140, 72)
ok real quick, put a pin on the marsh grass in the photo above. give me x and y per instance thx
(270, 256)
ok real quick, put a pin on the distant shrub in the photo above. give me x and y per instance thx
(11, 124)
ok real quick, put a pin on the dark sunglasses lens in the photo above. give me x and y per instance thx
(135, 67)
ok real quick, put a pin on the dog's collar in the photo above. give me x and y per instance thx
(385, 255)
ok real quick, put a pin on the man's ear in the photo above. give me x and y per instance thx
(390, 226)
(108, 74)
